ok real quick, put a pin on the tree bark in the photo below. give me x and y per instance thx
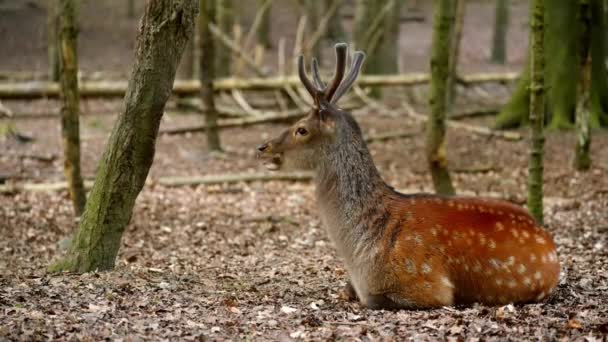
(537, 111)
(335, 30)
(582, 159)
(459, 12)
(131, 9)
(225, 21)
(501, 25)
(164, 31)
(562, 39)
(376, 32)
(443, 24)
(207, 72)
(51, 30)
(264, 30)
(70, 132)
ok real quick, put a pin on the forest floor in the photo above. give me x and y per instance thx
(252, 260)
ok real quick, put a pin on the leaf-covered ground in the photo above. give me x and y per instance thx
(252, 260)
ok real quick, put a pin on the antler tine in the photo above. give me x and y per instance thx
(339, 73)
(358, 58)
(316, 75)
(314, 92)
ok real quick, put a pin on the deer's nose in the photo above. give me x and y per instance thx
(263, 147)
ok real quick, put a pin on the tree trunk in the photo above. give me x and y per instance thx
(537, 110)
(335, 30)
(225, 21)
(582, 160)
(51, 30)
(165, 29)
(314, 11)
(130, 9)
(456, 38)
(562, 32)
(264, 29)
(501, 25)
(207, 72)
(68, 38)
(443, 24)
(376, 32)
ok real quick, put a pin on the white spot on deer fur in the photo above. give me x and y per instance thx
(409, 266)
(541, 240)
(552, 257)
(521, 269)
(537, 275)
(532, 257)
(466, 267)
(482, 239)
(434, 231)
(514, 232)
(417, 239)
(527, 281)
(510, 261)
(525, 234)
(543, 258)
(511, 284)
(499, 226)
(477, 267)
(445, 281)
(442, 249)
(491, 244)
(498, 281)
(495, 263)
(426, 269)
(541, 296)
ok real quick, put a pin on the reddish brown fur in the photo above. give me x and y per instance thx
(490, 251)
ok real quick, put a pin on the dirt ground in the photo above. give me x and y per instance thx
(252, 260)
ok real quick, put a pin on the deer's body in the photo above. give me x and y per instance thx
(414, 251)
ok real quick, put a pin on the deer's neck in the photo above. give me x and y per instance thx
(350, 196)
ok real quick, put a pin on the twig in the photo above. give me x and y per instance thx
(229, 43)
(238, 97)
(256, 24)
(314, 38)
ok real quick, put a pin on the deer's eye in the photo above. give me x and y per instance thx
(301, 131)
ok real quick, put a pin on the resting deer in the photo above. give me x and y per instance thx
(408, 251)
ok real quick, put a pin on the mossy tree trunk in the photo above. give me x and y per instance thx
(70, 131)
(335, 29)
(562, 32)
(131, 8)
(51, 32)
(582, 159)
(263, 32)
(376, 32)
(443, 24)
(501, 25)
(537, 110)
(164, 31)
(225, 21)
(455, 41)
(207, 71)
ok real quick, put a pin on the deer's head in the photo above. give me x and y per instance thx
(300, 145)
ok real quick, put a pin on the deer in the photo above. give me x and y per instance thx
(407, 251)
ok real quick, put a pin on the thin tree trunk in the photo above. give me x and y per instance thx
(443, 24)
(68, 38)
(335, 30)
(376, 31)
(501, 25)
(51, 29)
(131, 9)
(456, 39)
(313, 10)
(582, 160)
(264, 30)
(537, 110)
(165, 29)
(225, 21)
(207, 72)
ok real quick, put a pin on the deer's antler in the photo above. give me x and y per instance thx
(339, 85)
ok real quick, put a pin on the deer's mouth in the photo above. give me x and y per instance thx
(273, 162)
